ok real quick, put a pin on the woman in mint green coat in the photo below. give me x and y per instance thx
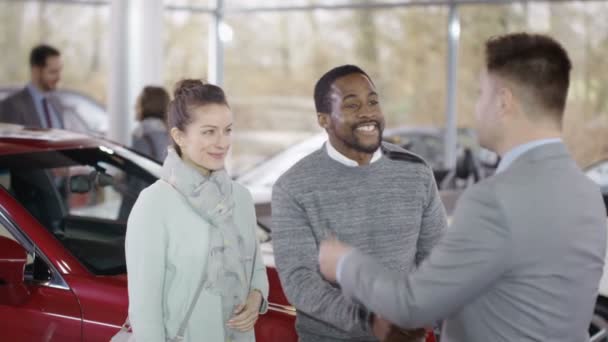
(195, 225)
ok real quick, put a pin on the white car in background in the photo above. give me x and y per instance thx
(598, 172)
(261, 178)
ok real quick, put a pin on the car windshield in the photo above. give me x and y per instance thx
(82, 196)
(266, 173)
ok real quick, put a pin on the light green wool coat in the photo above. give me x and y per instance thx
(166, 251)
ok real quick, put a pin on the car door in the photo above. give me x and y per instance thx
(50, 312)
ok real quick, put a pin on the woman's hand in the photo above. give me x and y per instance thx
(245, 315)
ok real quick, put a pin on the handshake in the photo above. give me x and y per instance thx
(330, 253)
(387, 332)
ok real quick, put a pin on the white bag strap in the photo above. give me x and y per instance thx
(126, 327)
(255, 255)
(182, 327)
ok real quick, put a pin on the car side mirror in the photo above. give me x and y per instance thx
(80, 184)
(104, 179)
(13, 258)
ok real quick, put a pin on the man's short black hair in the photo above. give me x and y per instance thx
(323, 86)
(40, 53)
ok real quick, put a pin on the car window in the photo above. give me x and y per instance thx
(82, 196)
(429, 147)
(106, 198)
(4, 232)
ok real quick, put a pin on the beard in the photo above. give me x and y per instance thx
(48, 86)
(353, 141)
(360, 147)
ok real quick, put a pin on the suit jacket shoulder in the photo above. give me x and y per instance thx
(19, 108)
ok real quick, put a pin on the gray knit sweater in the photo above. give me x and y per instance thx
(389, 209)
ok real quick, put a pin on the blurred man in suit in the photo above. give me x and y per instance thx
(35, 105)
(524, 255)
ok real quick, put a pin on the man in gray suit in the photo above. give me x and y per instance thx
(524, 254)
(35, 105)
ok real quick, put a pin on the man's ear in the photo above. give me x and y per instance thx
(323, 120)
(507, 101)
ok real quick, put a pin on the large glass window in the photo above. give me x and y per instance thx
(79, 30)
(194, 3)
(584, 33)
(186, 46)
(275, 59)
(302, 3)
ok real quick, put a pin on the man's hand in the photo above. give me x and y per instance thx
(380, 327)
(247, 314)
(330, 252)
(400, 335)
(384, 331)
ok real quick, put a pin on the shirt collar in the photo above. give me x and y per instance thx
(518, 151)
(36, 93)
(342, 159)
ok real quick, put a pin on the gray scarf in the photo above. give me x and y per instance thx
(211, 197)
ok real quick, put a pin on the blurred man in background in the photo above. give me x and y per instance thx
(35, 105)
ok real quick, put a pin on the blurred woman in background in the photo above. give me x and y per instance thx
(151, 136)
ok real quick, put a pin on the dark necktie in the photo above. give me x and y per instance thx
(47, 113)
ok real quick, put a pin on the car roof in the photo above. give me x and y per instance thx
(15, 139)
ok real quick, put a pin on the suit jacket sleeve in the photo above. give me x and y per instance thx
(3, 112)
(7, 112)
(296, 250)
(19, 109)
(473, 254)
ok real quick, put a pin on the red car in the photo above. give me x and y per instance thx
(64, 200)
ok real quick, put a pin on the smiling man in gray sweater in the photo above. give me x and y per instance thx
(375, 196)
